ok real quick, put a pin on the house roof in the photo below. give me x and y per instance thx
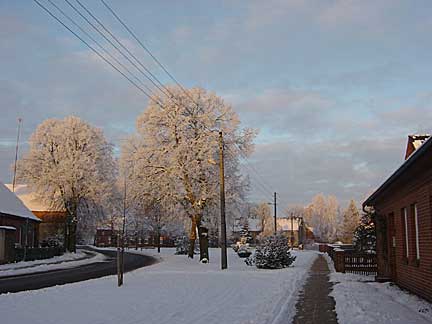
(29, 198)
(422, 149)
(10, 204)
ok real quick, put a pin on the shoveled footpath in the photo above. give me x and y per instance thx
(315, 306)
(70, 275)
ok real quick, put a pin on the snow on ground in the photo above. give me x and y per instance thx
(65, 261)
(360, 300)
(176, 290)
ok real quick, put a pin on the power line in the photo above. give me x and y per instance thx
(98, 44)
(148, 50)
(161, 87)
(251, 168)
(259, 185)
(111, 43)
(92, 48)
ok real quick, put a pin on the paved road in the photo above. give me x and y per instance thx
(81, 273)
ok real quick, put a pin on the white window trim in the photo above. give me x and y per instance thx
(416, 233)
(406, 231)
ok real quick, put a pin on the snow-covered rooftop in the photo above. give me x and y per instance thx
(10, 228)
(10, 204)
(28, 198)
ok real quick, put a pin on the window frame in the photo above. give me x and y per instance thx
(406, 230)
(416, 231)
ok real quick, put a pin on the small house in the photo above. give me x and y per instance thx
(18, 225)
(53, 220)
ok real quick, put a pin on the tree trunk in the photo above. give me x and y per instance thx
(203, 243)
(192, 237)
(158, 240)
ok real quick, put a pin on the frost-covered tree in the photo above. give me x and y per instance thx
(69, 162)
(365, 233)
(263, 212)
(176, 146)
(351, 219)
(322, 215)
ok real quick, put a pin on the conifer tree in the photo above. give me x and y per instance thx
(365, 235)
(351, 220)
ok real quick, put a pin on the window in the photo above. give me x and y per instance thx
(416, 227)
(405, 221)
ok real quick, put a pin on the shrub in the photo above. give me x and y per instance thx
(182, 244)
(274, 253)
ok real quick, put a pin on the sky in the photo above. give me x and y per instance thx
(334, 86)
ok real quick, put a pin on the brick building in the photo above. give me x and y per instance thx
(18, 225)
(403, 205)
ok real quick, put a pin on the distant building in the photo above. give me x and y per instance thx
(295, 229)
(403, 207)
(18, 225)
(53, 219)
(105, 236)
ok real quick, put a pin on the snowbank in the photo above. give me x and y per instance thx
(65, 261)
(360, 300)
(176, 290)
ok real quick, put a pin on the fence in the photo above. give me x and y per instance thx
(347, 260)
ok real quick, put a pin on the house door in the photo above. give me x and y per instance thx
(391, 234)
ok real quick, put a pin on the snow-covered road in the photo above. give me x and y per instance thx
(176, 290)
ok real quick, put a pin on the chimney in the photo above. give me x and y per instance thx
(414, 142)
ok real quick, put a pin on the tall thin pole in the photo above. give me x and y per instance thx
(292, 230)
(120, 246)
(224, 263)
(16, 154)
(275, 221)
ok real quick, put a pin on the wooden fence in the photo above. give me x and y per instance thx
(347, 260)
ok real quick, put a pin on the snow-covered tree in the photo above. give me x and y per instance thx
(176, 146)
(351, 219)
(69, 162)
(274, 253)
(365, 234)
(263, 212)
(322, 215)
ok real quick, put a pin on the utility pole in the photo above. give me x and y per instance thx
(275, 221)
(292, 230)
(120, 250)
(224, 263)
(16, 154)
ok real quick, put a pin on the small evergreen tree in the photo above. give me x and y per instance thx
(182, 244)
(351, 220)
(274, 253)
(365, 235)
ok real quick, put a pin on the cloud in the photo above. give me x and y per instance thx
(299, 170)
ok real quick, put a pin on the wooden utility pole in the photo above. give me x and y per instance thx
(275, 221)
(223, 236)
